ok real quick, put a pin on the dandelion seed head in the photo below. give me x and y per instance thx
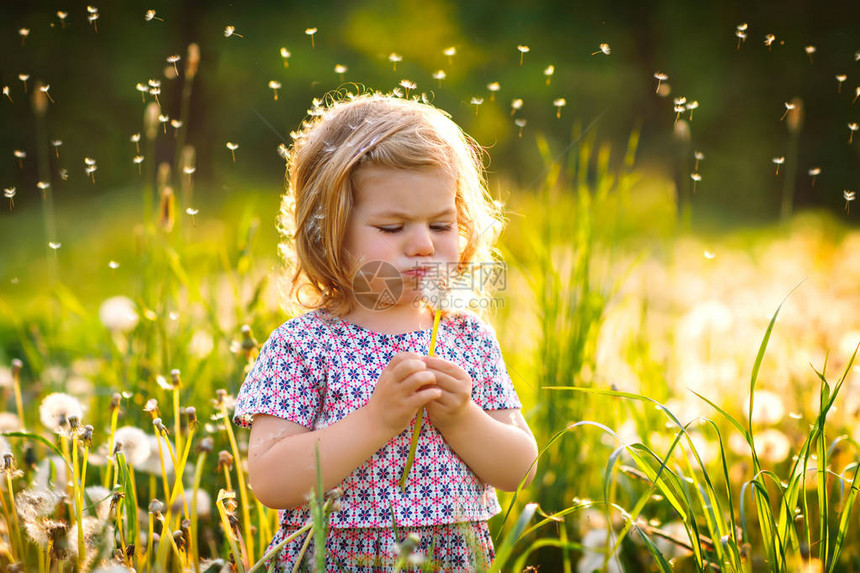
(149, 15)
(24, 32)
(450, 51)
(173, 58)
(394, 57)
(119, 313)
(175, 123)
(853, 126)
(661, 76)
(523, 49)
(772, 446)
(768, 408)
(743, 27)
(135, 444)
(517, 104)
(55, 245)
(62, 15)
(848, 195)
(778, 160)
(229, 31)
(494, 86)
(559, 102)
(232, 146)
(56, 409)
(310, 31)
(285, 53)
(549, 70)
(841, 78)
(19, 154)
(440, 75)
(43, 185)
(23, 77)
(698, 155)
(695, 177)
(274, 84)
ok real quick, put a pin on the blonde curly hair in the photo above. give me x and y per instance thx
(343, 134)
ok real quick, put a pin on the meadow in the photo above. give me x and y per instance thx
(691, 383)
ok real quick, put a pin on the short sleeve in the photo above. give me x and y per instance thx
(493, 388)
(283, 382)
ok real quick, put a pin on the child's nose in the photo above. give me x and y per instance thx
(420, 242)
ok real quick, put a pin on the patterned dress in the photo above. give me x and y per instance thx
(316, 369)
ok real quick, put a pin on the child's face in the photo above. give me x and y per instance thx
(407, 218)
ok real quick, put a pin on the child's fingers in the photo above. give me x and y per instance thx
(416, 380)
(405, 366)
(446, 366)
(424, 397)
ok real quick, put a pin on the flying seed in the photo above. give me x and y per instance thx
(558, 104)
(493, 87)
(476, 101)
(814, 172)
(6, 92)
(604, 49)
(450, 51)
(548, 72)
(661, 77)
(440, 75)
(769, 40)
(56, 143)
(778, 161)
(230, 31)
(520, 122)
(149, 16)
(852, 127)
(275, 85)
(394, 58)
(310, 32)
(810, 50)
(285, 55)
(408, 85)
(848, 196)
(233, 147)
(516, 105)
(340, 70)
(523, 50)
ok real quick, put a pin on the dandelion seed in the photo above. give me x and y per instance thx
(172, 59)
(852, 127)
(24, 78)
(848, 196)
(230, 31)
(516, 105)
(408, 85)
(62, 16)
(135, 139)
(285, 55)
(604, 49)
(24, 32)
(64, 174)
(710, 255)
(43, 186)
(149, 16)
(558, 104)
(810, 50)
(680, 107)
(92, 17)
(233, 147)
(523, 50)
(742, 37)
(450, 51)
(520, 122)
(661, 77)
(192, 212)
(814, 172)
(6, 92)
(275, 85)
(778, 161)
(789, 106)
(310, 32)
(9, 193)
(56, 143)
(20, 156)
(699, 156)
(476, 101)
(856, 94)
(493, 87)
(394, 58)
(143, 91)
(769, 40)
(696, 178)
(340, 70)
(691, 106)
(138, 159)
(743, 27)
(795, 415)
(163, 119)
(44, 89)
(113, 265)
(440, 75)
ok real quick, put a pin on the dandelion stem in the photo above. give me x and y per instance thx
(163, 470)
(19, 403)
(176, 421)
(198, 476)
(419, 418)
(149, 536)
(228, 531)
(277, 548)
(303, 550)
(79, 505)
(113, 421)
(19, 548)
(240, 476)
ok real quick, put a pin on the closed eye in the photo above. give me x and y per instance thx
(391, 229)
(441, 227)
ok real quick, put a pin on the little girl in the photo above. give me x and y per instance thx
(385, 195)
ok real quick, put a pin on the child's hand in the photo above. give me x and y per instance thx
(456, 386)
(404, 386)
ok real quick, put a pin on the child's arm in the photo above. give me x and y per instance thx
(281, 454)
(497, 445)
